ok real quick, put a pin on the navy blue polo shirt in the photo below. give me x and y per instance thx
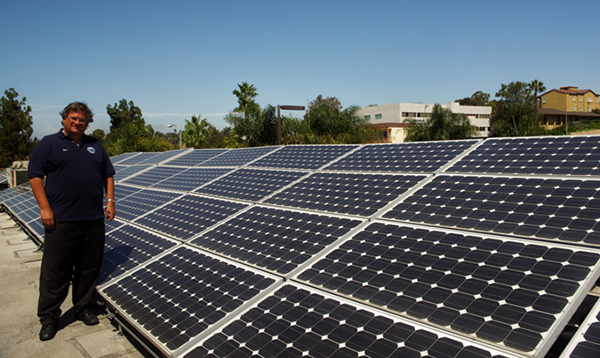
(74, 174)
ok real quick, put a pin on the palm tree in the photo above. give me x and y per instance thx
(245, 94)
(538, 87)
(442, 125)
(196, 132)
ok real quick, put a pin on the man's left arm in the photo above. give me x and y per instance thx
(109, 184)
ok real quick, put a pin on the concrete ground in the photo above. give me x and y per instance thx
(19, 326)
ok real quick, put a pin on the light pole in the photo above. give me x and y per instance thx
(177, 128)
(289, 108)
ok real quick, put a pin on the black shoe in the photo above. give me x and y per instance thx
(48, 332)
(88, 317)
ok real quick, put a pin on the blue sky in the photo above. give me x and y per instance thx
(179, 58)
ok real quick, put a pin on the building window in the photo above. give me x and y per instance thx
(378, 116)
(574, 99)
(580, 99)
(368, 117)
(574, 108)
(544, 100)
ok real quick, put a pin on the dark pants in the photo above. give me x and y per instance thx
(73, 250)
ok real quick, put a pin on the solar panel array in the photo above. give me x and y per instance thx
(472, 248)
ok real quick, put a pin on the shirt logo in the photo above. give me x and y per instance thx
(65, 150)
(91, 150)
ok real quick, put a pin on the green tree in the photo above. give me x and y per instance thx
(15, 128)
(538, 87)
(327, 122)
(442, 125)
(515, 113)
(129, 131)
(197, 132)
(245, 94)
(478, 98)
(99, 134)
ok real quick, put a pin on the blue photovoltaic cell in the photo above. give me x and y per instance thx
(296, 322)
(189, 215)
(122, 191)
(276, 240)
(250, 184)
(563, 209)
(138, 159)
(183, 293)
(417, 157)
(303, 156)
(505, 291)
(586, 342)
(354, 194)
(123, 171)
(565, 155)
(163, 156)
(237, 157)
(121, 157)
(196, 157)
(142, 202)
(152, 176)
(191, 178)
(128, 247)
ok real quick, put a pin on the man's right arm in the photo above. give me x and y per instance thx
(46, 214)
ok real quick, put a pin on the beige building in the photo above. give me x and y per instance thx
(390, 118)
(568, 103)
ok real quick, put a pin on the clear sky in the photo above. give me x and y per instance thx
(174, 59)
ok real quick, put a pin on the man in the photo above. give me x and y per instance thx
(78, 172)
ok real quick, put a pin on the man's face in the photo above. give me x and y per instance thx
(75, 124)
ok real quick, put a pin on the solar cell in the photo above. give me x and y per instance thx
(124, 171)
(508, 292)
(182, 294)
(191, 178)
(250, 184)
(273, 239)
(195, 157)
(238, 157)
(189, 215)
(298, 322)
(564, 155)
(417, 157)
(303, 156)
(354, 194)
(562, 209)
(152, 176)
(127, 247)
(143, 201)
(586, 341)
(138, 158)
(163, 156)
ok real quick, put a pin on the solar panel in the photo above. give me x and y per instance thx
(152, 176)
(163, 156)
(561, 209)
(273, 239)
(191, 178)
(124, 171)
(354, 194)
(127, 247)
(303, 156)
(299, 322)
(238, 157)
(508, 292)
(139, 158)
(564, 155)
(195, 157)
(141, 202)
(416, 157)
(250, 184)
(182, 294)
(189, 215)
(586, 342)
(121, 157)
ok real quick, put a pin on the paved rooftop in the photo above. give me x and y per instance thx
(19, 329)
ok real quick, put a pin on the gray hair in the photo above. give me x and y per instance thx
(78, 107)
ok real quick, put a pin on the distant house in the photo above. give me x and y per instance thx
(390, 118)
(568, 103)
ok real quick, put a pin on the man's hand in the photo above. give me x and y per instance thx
(110, 210)
(47, 217)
